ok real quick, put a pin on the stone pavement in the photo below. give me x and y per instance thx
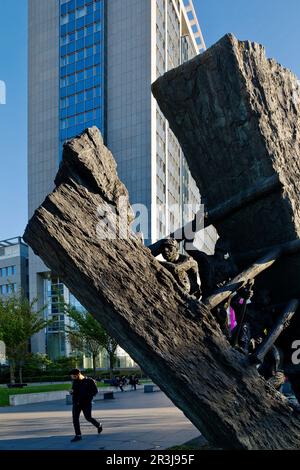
(132, 421)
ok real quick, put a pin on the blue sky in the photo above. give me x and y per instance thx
(271, 22)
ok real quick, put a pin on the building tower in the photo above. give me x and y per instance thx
(92, 62)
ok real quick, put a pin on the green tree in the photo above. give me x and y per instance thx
(88, 335)
(19, 321)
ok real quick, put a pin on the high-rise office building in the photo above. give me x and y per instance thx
(92, 62)
(13, 272)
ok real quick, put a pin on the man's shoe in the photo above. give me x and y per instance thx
(100, 429)
(76, 438)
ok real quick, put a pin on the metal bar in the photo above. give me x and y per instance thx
(258, 356)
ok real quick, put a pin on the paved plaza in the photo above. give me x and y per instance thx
(132, 421)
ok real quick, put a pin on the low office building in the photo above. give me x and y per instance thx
(13, 272)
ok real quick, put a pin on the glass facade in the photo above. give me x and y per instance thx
(177, 196)
(82, 105)
(82, 59)
(56, 332)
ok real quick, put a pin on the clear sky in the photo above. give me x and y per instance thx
(273, 23)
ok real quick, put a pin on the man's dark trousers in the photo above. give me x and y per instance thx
(86, 408)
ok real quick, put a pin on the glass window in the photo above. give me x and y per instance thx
(89, 73)
(97, 27)
(98, 49)
(71, 68)
(97, 80)
(71, 48)
(89, 30)
(80, 65)
(71, 100)
(71, 79)
(89, 51)
(97, 16)
(97, 91)
(71, 110)
(80, 97)
(97, 59)
(80, 118)
(63, 123)
(80, 86)
(71, 132)
(71, 27)
(63, 9)
(89, 19)
(89, 105)
(89, 94)
(71, 58)
(97, 37)
(63, 51)
(63, 92)
(63, 71)
(89, 83)
(64, 30)
(81, 12)
(64, 40)
(63, 135)
(71, 5)
(89, 115)
(89, 61)
(79, 44)
(71, 89)
(71, 121)
(80, 107)
(80, 34)
(89, 40)
(90, 8)
(80, 55)
(64, 19)
(63, 113)
(80, 23)
(80, 75)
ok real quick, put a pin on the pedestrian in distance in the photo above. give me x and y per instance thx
(83, 391)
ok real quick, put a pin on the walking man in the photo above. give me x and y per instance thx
(83, 391)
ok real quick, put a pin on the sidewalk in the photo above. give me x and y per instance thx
(132, 421)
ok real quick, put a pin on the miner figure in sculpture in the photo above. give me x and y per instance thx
(183, 267)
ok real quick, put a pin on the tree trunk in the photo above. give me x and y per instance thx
(21, 374)
(112, 360)
(12, 371)
(94, 364)
(172, 336)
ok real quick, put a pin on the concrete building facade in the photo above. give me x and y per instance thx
(13, 272)
(92, 62)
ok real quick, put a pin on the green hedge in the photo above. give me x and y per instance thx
(63, 376)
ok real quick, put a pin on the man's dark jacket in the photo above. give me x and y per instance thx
(84, 390)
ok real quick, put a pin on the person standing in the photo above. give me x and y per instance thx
(83, 391)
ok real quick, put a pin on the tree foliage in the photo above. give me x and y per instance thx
(19, 321)
(88, 335)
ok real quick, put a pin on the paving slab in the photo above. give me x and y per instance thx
(132, 421)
